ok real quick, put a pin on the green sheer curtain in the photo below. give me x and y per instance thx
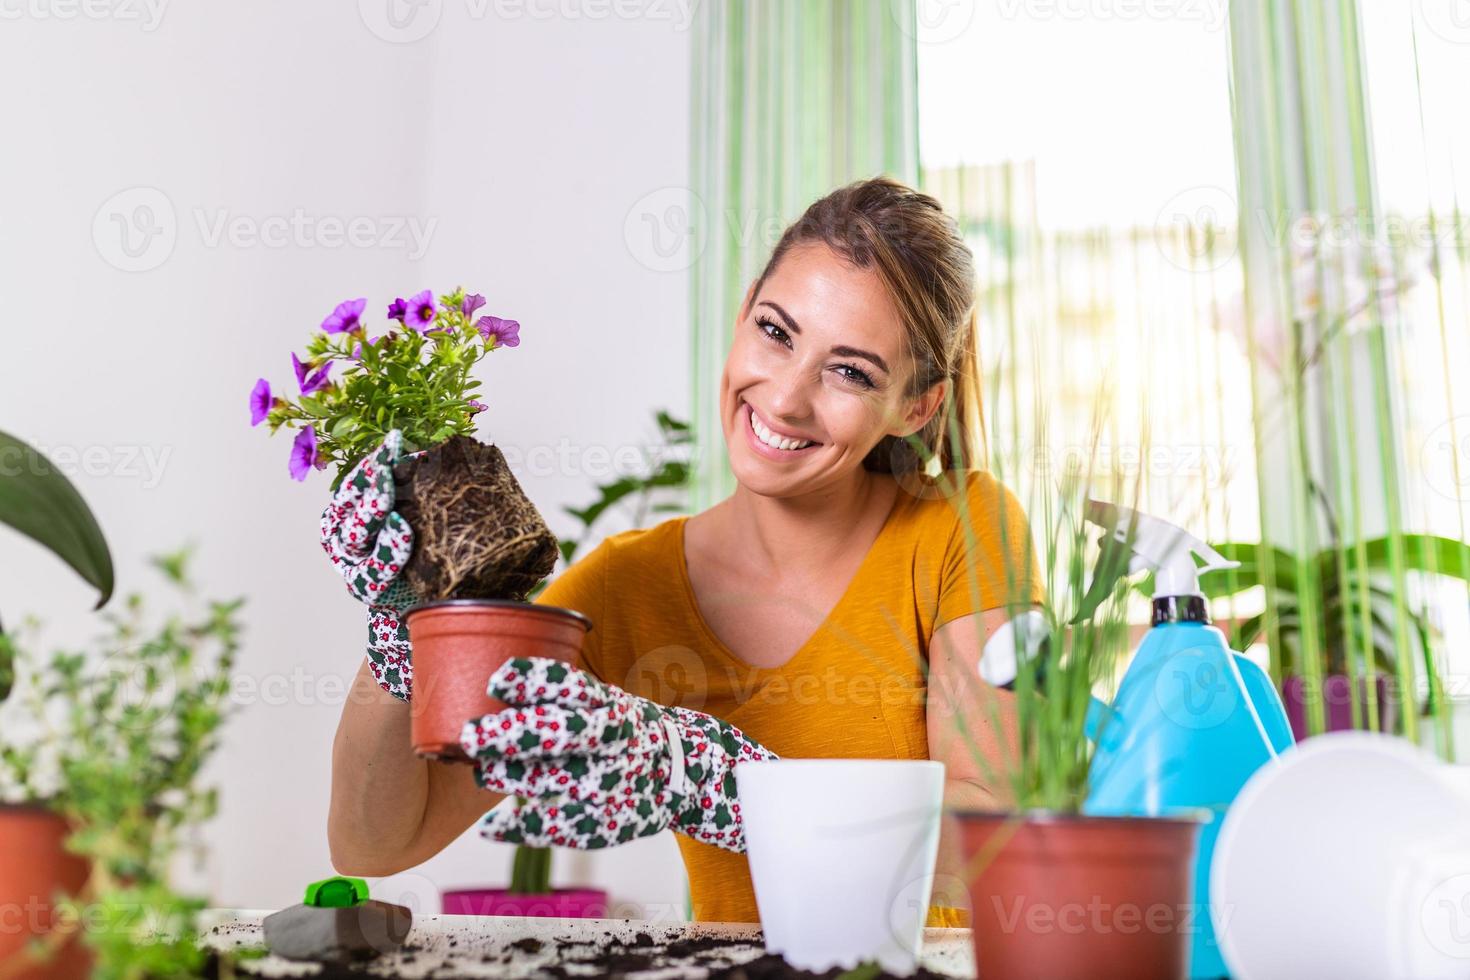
(790, 99)
(1326, 286)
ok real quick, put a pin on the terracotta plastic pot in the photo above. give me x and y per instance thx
(34, 866)
(1058, 895)
(561, 903)
(459, 643)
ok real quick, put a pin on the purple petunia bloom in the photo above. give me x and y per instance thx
(507, 333)
(303, 454)
(314, 381)
(356, 354)
(471, 303)
(260, 401)
(421, 310)
(398, 309)
(345, 317)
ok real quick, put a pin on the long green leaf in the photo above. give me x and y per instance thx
(41, 503)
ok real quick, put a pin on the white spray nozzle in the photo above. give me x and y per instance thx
(1167, 550)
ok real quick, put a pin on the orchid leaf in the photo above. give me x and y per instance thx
(40, 502)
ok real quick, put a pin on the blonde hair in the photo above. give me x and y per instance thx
(929, 273)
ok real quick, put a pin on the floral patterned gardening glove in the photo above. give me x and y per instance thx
(369, 543)
(591, 765)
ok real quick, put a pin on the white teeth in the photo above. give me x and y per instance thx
(768, 437)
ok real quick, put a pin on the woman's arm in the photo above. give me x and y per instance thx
(391, 810)
(971, 725)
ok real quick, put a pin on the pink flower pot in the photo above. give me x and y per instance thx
(563, 903)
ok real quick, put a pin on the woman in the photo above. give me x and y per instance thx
(834, 605)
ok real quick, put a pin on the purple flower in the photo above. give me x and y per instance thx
(398, 309)
(477, 407)
(507, 333)
(420, 315)
(471, 303)
(316, 381)
(356, 354)
(260, 401)
(345, 317)
(303, 454)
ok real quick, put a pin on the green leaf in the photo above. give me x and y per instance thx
(41, 503)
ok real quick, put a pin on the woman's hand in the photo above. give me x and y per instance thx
(592, 765)
(369, 543)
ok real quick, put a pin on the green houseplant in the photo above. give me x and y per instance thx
(479, 545)
(666, 469)
(37, 500)
(1047, 881)
(1361, 625)
(113, 741)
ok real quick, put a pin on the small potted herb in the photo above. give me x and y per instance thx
(41, 503)
(479, 545)
(110, 743)
(1055, 892)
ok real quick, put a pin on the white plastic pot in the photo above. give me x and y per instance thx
(1347, 856)
(842, 857)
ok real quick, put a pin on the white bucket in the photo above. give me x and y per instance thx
(842, 857)
(1348, 856)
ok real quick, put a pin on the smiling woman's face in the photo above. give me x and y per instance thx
(819, 359)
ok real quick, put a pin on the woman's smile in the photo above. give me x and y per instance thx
(766, 441)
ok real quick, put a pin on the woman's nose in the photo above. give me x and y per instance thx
(791, 395)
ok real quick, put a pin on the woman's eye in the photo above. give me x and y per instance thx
(779, 336)
(857, 377)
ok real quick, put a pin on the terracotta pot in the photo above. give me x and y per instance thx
(561, 903)
(1084, 897)
(34, 866)
(459, 643)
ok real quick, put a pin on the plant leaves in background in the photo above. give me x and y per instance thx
(41, 503)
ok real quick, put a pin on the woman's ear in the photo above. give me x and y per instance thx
(922, 408)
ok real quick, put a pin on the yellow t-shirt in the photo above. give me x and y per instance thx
(856, 687)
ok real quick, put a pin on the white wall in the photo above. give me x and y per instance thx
(520, 142)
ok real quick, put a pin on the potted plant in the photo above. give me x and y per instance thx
(40, 502)
(112, 741)
(530, 891)
(1054, 892)
(480, 546)
(1355, 656)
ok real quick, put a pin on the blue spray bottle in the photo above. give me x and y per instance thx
(1192, 720)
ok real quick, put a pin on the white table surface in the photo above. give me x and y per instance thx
(480, 946)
